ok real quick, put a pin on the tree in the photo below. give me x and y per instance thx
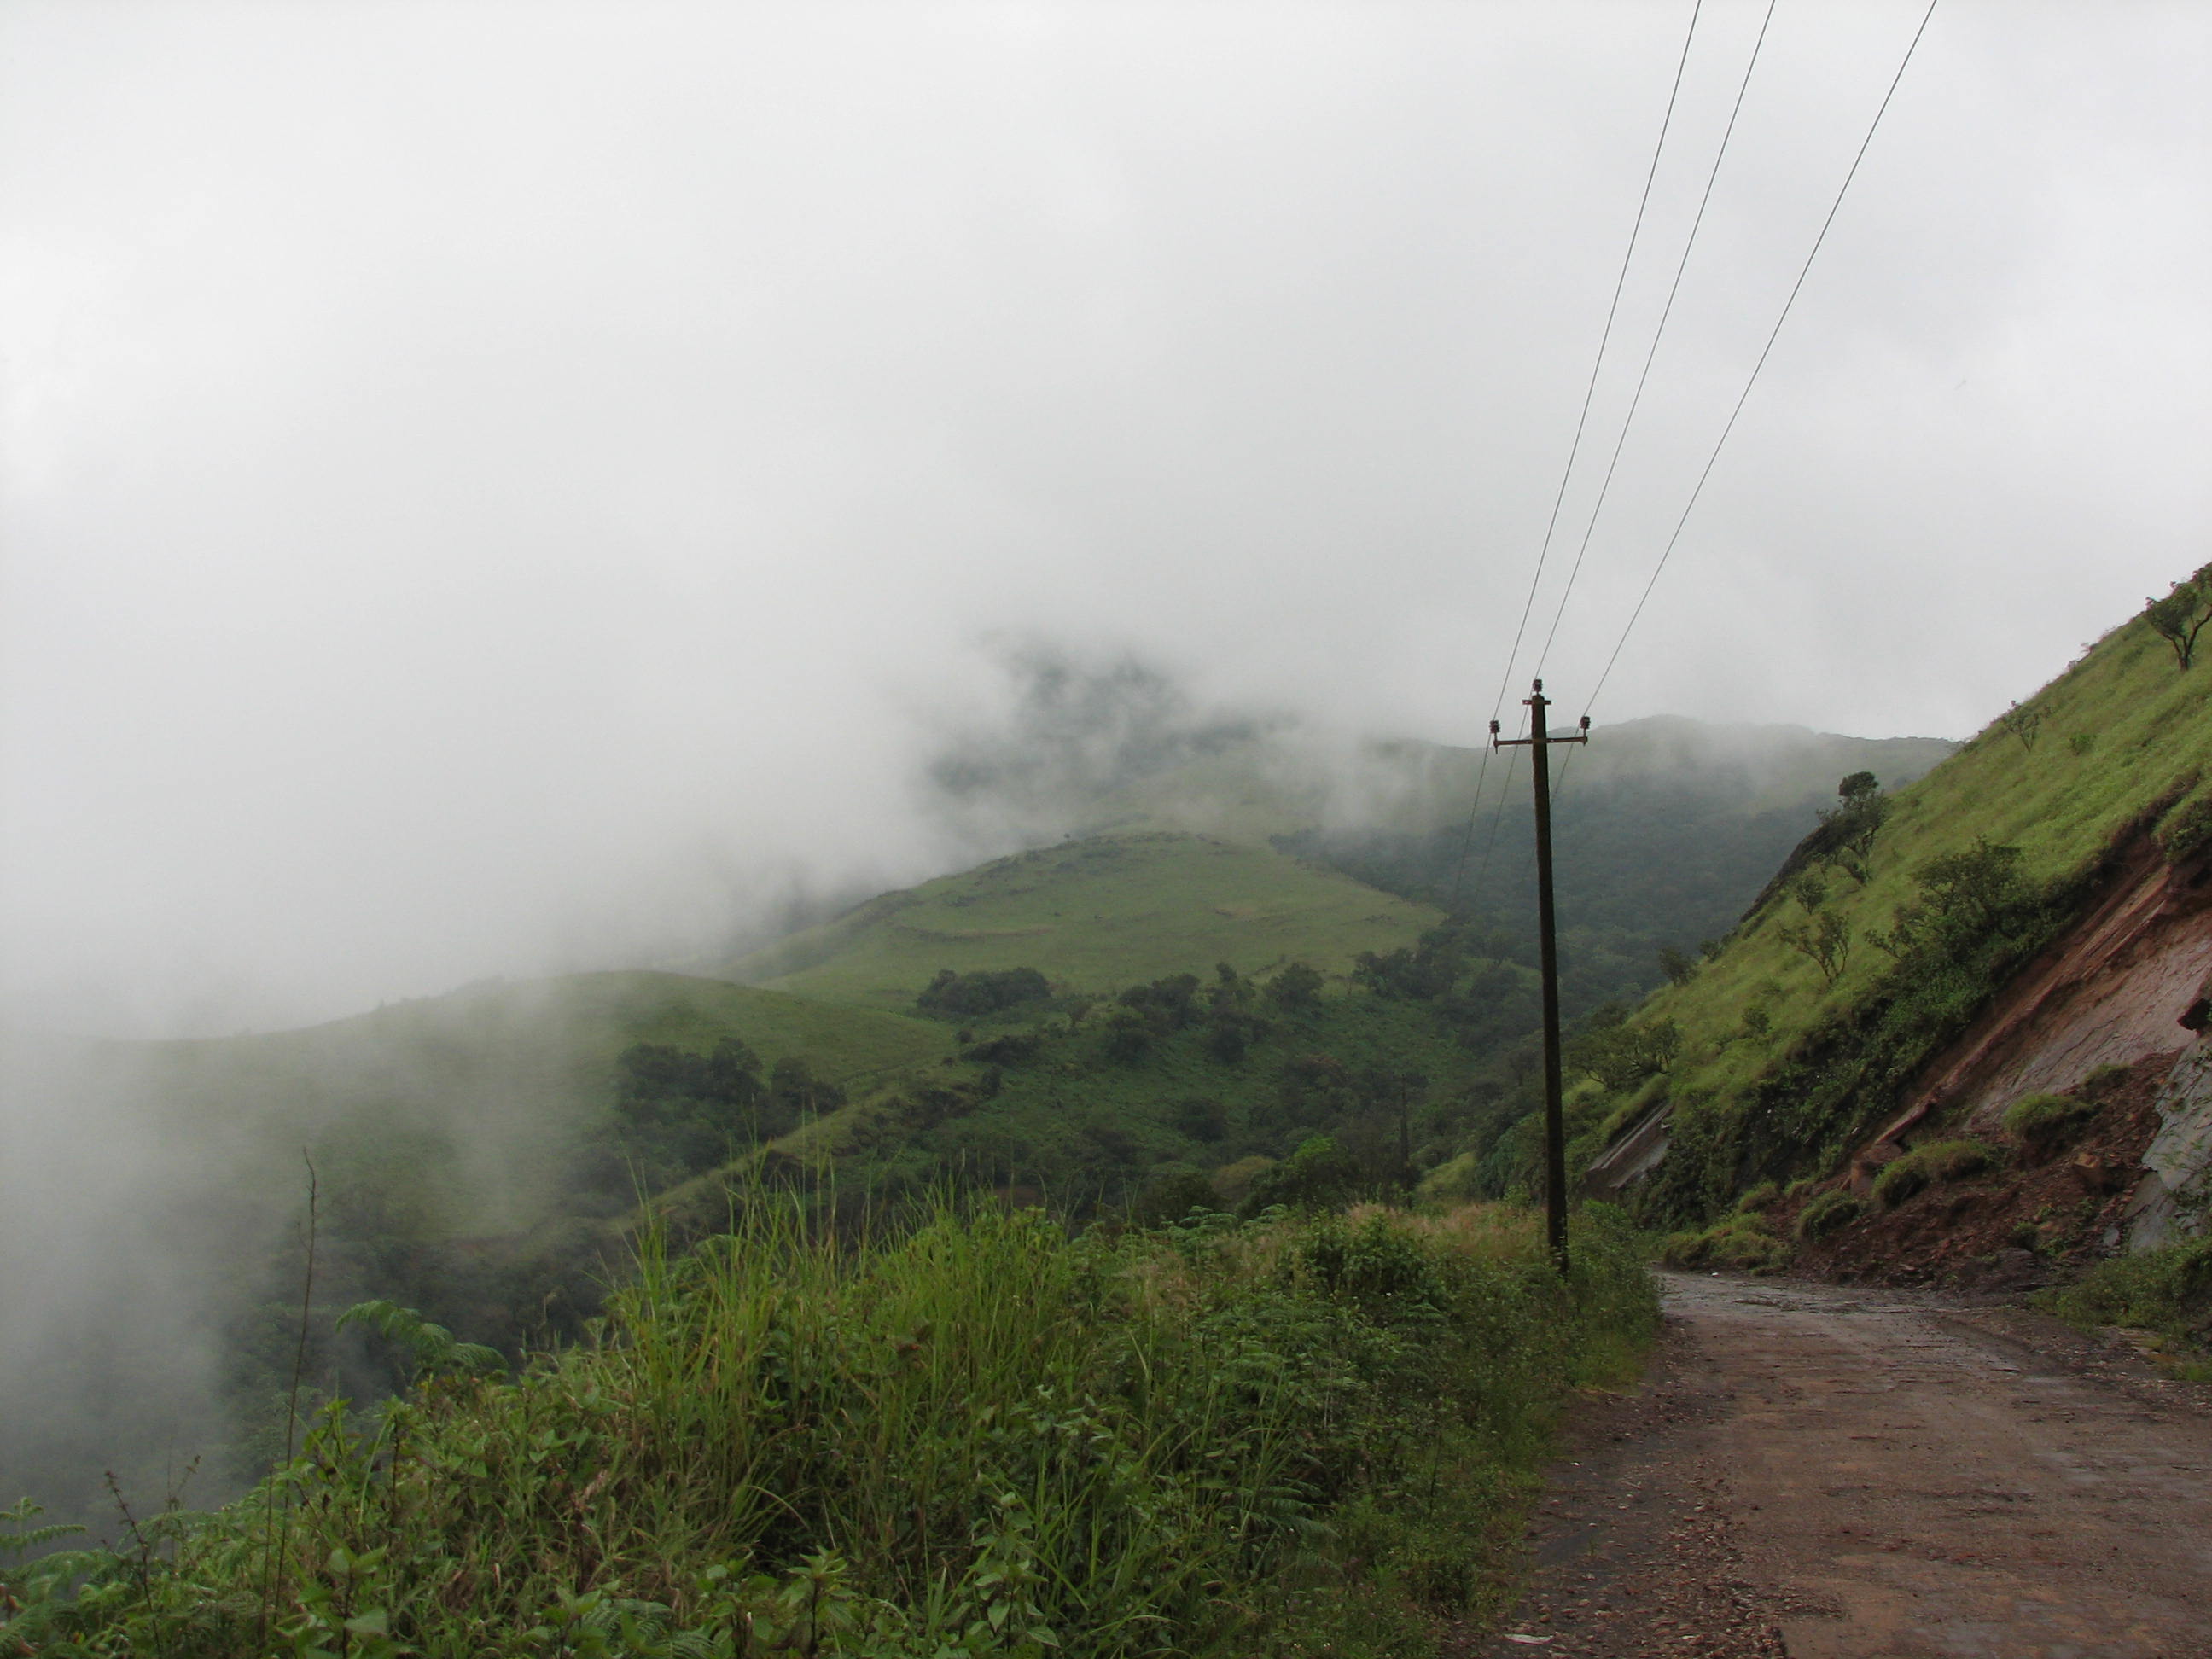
(1962, 897)
(2180, 617)
(1826, 941)
(1849, 829)
(1295, 988)
(2027, 724)
(1678, 966)
(1620, 1055)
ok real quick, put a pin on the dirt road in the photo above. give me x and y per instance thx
(1830, 1473)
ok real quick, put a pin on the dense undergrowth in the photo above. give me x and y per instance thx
(980, 1436)
(2167, 1292)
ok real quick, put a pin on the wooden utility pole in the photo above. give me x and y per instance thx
(1539, 743)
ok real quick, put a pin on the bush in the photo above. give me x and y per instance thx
(2043, 1124)
(2168, 1290)
(1831, 1211)
(1743, 1241)
(988, 991)
(1763, 1196)
(1925, 1166)
(980, 1437)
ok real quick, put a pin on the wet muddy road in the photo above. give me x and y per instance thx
(1833, 1473)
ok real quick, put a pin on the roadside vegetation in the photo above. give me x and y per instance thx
(977, 1434)
(2167, 1292)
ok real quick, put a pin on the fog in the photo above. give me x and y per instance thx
(494, 489)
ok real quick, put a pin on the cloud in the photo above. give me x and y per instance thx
(490, 487)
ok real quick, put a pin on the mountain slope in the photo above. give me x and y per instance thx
(1097, 915)
(2044, 893)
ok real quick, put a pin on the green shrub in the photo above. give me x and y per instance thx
(2167, 1290)
(1926, 1166)
(1765, 1196)
(1829, 1212)
(2042, 1124)
(2187, 832)
(1742, 1241)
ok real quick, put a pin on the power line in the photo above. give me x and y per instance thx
(1833, 208)
(1574, 450)
(1657, 334)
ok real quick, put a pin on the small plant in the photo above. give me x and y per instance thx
(1765, 1196)
(1829, 1212)
(2188, 832)
(2081, 743)
(2043, 1124)
(1926, 1166)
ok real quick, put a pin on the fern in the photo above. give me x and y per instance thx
(430, 1348)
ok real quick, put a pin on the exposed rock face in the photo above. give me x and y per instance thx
(2112, 991)
(2176, 1192)
(2126, 986)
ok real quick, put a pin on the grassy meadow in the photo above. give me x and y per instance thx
(1095, 914)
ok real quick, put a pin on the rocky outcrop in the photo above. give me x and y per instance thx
(2175, 1193)
(2126, 986)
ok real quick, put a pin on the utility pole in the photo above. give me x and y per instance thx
(1539, 744)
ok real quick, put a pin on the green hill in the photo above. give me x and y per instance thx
(494, 1081)
(1094, 914)
(1786, 1064)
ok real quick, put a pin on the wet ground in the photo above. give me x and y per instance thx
(1833, 1473)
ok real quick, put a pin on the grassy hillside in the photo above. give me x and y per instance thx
(480, 1091)
(1096, 915)
(2121, 740)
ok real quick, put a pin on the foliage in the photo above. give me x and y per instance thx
(1763, 1196)
(985, 991)
(1318, 1175)
(1621, 1055)
(430, 1350)
(2042, 1124)
(1829, 1213)
(1825, 942)
(2168, 1290)
(2180, 617)
(2189, 832)
(1744, 1241)
(979, 1437)
(1927, 1166)
(2025, 723)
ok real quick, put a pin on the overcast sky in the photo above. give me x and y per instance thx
(485, 486)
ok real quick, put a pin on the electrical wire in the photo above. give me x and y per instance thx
(1574, 450)
(1658, 335)
(1774, 334)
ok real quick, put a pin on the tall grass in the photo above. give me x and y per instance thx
(980, 1435)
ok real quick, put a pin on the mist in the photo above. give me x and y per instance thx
(499, 490)
(493, 489)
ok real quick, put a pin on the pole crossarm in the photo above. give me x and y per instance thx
(1539, 740)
